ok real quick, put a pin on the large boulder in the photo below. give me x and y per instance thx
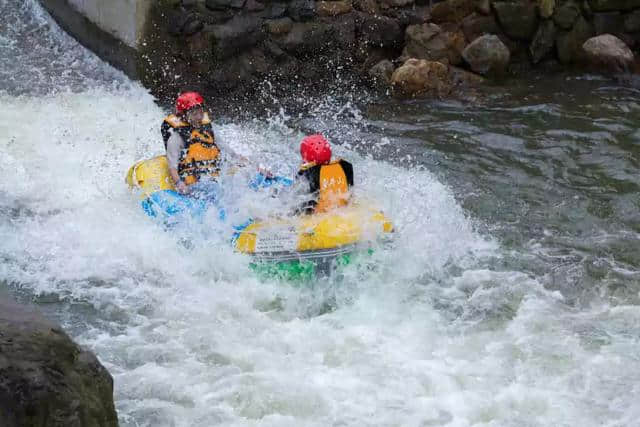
(47, 380)
(543, 42)
(609, 53)
(421, 78)
(429, 41)
(569, 44)
(519, 19)
(487, 55)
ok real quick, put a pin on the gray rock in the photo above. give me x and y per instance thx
(380, 73)
(519, 19)
(428, 41)
(46, 380)
(566, 14)
(632, 22)
(487, 55)
(569, 44)
(608, 53)
(379, 31)
(238, 34)
(608, 22)
(475, 25)
(301, 10)
(543, 42)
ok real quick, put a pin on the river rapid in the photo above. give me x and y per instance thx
(509, 298)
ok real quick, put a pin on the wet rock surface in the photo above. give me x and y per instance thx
(46, 380)
(487, 55)
(608, 53)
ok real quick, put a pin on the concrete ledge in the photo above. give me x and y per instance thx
(105, 45)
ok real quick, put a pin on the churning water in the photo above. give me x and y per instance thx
(510, 296)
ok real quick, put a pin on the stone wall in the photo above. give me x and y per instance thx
(228, 48)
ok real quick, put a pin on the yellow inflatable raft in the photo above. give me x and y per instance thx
(290, 246)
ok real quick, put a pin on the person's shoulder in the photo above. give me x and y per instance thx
(174, 121)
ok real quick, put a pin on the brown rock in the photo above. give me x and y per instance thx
(421, 78)
(451, 10)
(608, 53)
(278, 26)
(333, 8)
(428, 41)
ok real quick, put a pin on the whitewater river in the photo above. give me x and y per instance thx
(510, 298)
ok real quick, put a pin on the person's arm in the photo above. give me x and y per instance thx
(175, 144)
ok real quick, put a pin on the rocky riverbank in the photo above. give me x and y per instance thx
(225, 47)
(47, 380)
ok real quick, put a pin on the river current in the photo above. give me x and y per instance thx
(509, 298)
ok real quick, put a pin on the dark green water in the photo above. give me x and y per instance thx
(550, 167)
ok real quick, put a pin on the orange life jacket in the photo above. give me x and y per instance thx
(200, 156)
(330, 182)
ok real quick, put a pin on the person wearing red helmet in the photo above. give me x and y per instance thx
(329, 180)
(189, 140)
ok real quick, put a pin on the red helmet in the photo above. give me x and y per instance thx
(315, 148)
(187, 101)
